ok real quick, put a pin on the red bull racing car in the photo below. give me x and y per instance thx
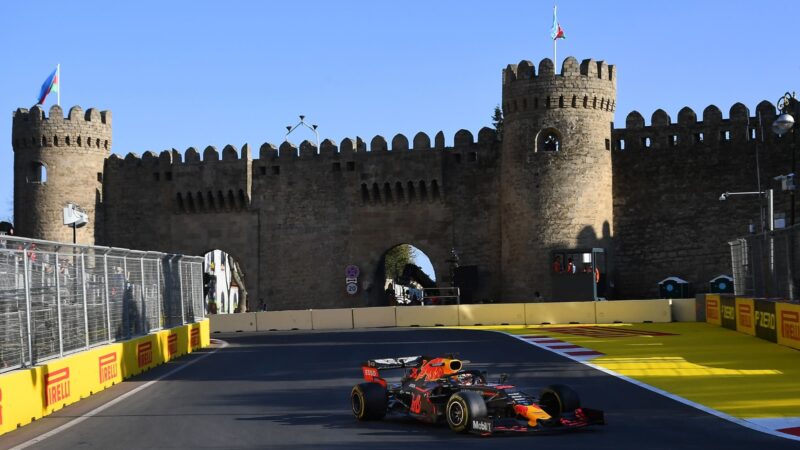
(439, 389)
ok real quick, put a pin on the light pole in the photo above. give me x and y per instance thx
(787, 105)
(782, 125)
(302, 122)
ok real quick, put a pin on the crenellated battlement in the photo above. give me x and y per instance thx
(89, 129)
(307, 150)
(688, 132)
(588, 87)
(570, 69)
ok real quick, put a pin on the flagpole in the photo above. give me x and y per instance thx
(58, 77)
(555, 59)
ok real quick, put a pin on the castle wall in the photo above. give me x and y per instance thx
(669, 220)
(296, 218)
(296, 221)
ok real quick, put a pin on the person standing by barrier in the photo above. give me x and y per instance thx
(557, 264)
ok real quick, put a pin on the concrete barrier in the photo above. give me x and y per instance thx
(381, 316)
(427, 316)
(636, 311)
(283, 320)
(226, 323)
(29, 394)
(559, 312)
(332, 319)
(684, 310)
(499, 314)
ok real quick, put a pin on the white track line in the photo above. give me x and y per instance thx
(706, 409)
(105, 406)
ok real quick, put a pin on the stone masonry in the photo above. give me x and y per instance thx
(562, 177)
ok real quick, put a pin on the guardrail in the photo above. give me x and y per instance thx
(58, 298)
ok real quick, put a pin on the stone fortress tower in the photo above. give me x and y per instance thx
(59, 160)
(556, 174)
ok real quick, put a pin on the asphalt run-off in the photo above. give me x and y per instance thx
(290, 390)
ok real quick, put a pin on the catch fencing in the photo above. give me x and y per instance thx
(58, 298)
(764, 264)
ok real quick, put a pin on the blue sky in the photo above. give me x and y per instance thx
(180, 74)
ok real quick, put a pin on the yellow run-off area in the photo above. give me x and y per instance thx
(735, 373)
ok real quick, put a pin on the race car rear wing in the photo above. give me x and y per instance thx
(371, 368)
(396, 363)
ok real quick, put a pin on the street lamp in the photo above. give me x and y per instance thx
(767, 194)
(302, 122)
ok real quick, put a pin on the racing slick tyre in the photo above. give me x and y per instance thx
(369, 401)
(557, 399)
(464, 407)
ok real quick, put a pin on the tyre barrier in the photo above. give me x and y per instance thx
(32, 393)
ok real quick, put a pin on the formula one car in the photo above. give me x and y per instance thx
(438, 389)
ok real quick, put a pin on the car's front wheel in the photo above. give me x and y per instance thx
(464, 407)
(558, 399)
(369, 401)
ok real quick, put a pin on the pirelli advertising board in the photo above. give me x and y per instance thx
(713, 309)
(788, 324)
(745, 315)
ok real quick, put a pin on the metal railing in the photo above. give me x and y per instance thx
(58, 298)
(763, 264)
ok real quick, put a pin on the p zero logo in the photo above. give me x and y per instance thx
(745, 315)
(172, 344)
(765, 320)
(144, 354)
(107, 367)
(56, 386)
(195, 342)
(790, 325)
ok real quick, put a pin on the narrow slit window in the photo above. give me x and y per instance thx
(621, 144)
(673, 140)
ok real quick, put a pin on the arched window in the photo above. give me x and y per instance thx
(37, 173)
(548, 140)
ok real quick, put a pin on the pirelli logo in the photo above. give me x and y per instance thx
(195, 341)
(172, 344)
(144, 354)
(107, 367)
(745, 313)
(712, 309)
(56, 386)
(790, 325)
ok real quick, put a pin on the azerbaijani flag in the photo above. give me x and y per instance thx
(50, 85)
(556, 32)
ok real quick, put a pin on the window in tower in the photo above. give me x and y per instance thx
(549, 140)
(37, 173)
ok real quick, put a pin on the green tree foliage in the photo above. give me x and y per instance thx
(397, 258)
(497, 122)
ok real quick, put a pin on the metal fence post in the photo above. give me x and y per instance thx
(145, 328)
(180, 291)
(26, 279)
(58, 306)
(108, 297)
(85, 306)
(158, 295)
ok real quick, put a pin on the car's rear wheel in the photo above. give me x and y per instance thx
(369, 401)
(557, 399)
(464, 407)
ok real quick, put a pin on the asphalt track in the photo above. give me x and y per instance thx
(291, 391)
